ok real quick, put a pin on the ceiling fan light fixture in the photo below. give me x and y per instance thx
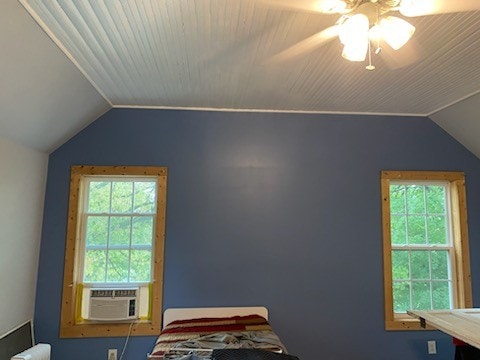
(355, 52)
(395, 31)
(417, 8)
(353, 34)
(375, 33)
(353, 28)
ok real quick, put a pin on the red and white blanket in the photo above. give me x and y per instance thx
(238, 332)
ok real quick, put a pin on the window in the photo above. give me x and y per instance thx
(115, 239)
(425, 241)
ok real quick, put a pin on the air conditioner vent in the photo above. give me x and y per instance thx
(113, 304)
(113, 293)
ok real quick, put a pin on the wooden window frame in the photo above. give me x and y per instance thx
(462, 280)
(69, 328)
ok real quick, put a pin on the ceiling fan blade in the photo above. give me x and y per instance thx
(413, 8)
(309, 44)
(311, 6)
(409, 54)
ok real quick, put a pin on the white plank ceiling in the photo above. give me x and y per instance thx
(218, 54)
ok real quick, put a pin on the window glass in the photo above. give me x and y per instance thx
(122, 235)
(99, 197)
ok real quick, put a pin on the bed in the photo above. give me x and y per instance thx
(218, 334)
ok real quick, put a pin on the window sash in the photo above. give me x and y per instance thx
(85, 215)
(118, 179)
(449, 247)
(432, 281)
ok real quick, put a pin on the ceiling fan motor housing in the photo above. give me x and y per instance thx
(372, 9)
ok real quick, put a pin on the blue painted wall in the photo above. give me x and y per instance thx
(281, 210)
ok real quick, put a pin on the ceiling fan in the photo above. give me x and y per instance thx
(363, 24)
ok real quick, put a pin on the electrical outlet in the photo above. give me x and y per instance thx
(432, 347)
(112, 354)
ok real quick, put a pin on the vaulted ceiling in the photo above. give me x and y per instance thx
(65, 63)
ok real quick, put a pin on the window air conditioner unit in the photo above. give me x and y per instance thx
(107, 304)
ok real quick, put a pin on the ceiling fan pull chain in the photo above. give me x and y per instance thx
(378, 49)
(370, 66)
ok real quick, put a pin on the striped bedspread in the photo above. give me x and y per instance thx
(238, 332)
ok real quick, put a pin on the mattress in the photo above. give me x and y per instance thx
(209, 338)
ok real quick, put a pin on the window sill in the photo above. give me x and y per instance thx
(109, 330)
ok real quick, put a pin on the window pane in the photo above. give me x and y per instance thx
(415, 199)
(435, 199)
(141, 264)
(117, 269)
(401, 296)
(398, 228)
(437, 229)
(441, 295)
(400, 265)
(97, 231)
(416, 230)
(142, 230)
(440, 265)
(421, 295)
(145, 197)
(122, 194)
(99, 197)
(420, 265)
(95, 262)
(397, 199)
(119, 231)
